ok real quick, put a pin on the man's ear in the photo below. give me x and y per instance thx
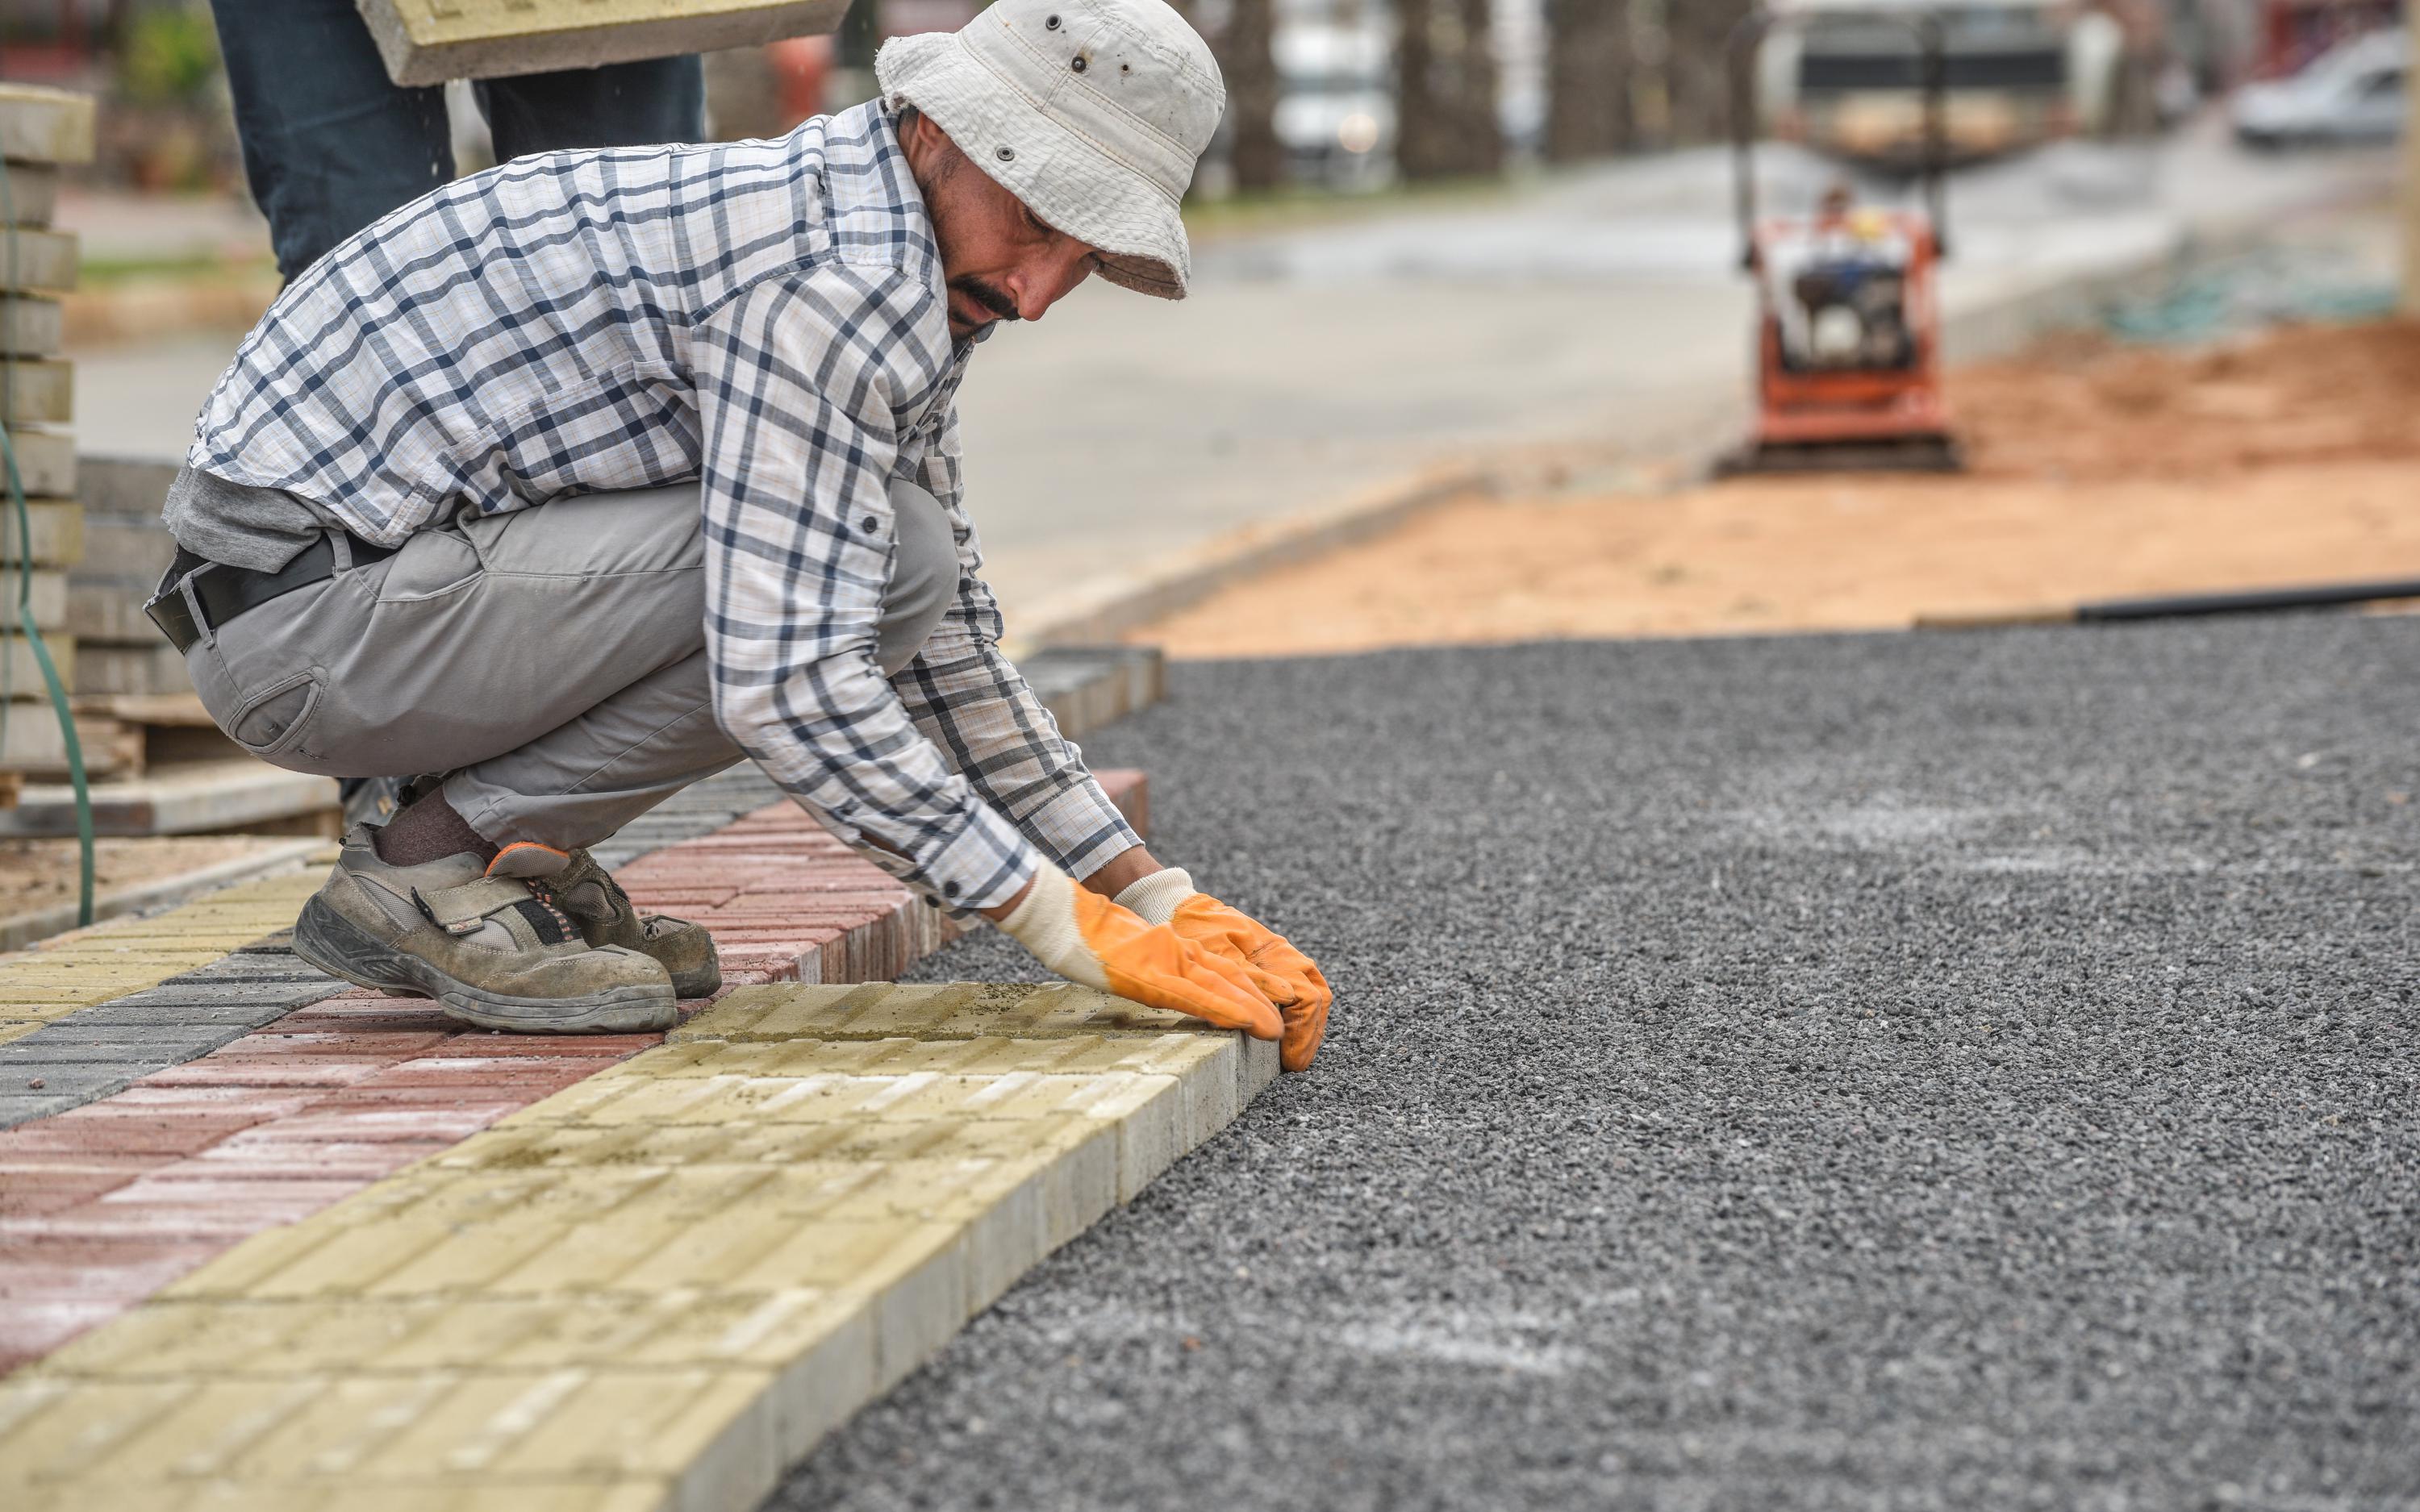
(925, 143)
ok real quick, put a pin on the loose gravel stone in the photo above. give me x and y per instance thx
(1894, 1071)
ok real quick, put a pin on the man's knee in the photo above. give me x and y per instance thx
(923, 574)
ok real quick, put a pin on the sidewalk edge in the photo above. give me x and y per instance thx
(1105, 609)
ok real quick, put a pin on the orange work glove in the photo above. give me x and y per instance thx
(1086, 938)
(1284, 975)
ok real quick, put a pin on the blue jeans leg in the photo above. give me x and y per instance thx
(330, 143)
(620, 105)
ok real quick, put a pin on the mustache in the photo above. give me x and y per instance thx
(989, 296)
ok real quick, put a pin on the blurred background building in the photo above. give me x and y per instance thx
(1350, 95)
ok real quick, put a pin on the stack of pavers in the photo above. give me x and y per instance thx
(121, 654)
(182, 776)
(156, 765)
(41, 131)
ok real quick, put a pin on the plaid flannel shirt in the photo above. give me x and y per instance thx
(767, 316)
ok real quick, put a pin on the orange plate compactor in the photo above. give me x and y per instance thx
(1848, 314)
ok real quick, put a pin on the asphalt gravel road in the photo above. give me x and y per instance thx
(1965, 1071)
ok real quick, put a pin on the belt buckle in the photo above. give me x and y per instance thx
(173, 613)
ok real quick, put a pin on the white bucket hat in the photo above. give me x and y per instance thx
(1092, 111)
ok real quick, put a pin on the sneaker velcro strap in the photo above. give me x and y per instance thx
(447, 907)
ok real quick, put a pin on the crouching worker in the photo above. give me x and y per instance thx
(583, 478)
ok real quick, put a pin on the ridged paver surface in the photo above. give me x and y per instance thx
(84, 1014)
(652, 1289)
(1962, 1072)
(239, 1095)
(108, 961)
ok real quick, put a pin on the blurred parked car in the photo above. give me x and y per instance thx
(2352, 93)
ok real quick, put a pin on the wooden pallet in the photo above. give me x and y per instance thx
(237, 795)
(171, 728)
(186, 778)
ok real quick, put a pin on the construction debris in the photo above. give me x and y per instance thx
(2256, 290)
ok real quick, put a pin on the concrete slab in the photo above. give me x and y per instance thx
(190, 798)
(430, 41)
(44, 262)
(41, 125)
(30, 327)
(46, 467)
(33, 193)
(39, 390)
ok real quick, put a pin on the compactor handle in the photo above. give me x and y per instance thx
(1932, 64)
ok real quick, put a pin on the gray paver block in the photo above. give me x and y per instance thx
(25, 1107)
(33, 192)
(150, 1039)
(256, 961)
(124, 1014)
(63, 1087)
(44, 125)
(128, 1049)
(269, 987)
(47, 262)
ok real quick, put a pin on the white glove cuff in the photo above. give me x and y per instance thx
(1153, 899)
(1045, 923)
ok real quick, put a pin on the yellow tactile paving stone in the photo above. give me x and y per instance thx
(944, 1010)
(653, 1289)
(53, 978)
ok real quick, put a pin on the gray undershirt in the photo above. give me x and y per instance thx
(263, 529)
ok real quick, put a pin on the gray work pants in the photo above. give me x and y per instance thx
(551, 659)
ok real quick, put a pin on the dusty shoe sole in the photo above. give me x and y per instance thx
(328, 941)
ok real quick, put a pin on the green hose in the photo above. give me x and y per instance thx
(24, 526)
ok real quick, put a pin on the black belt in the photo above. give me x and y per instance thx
(224, 591)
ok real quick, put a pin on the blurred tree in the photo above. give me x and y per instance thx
(169, 55)
(1419, 113)
(1588, 78)
(1475, 104)
(1445, 89)
(1242, 36)
(1696, 84)
(1245, 52)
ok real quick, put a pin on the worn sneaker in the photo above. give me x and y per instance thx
(606, 915)
(477, 939)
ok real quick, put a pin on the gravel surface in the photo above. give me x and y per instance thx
(1969, 1072)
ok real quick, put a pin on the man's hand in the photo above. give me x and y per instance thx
(1283, 974)
(1087, 938)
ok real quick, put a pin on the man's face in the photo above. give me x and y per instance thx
(1000, 261)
